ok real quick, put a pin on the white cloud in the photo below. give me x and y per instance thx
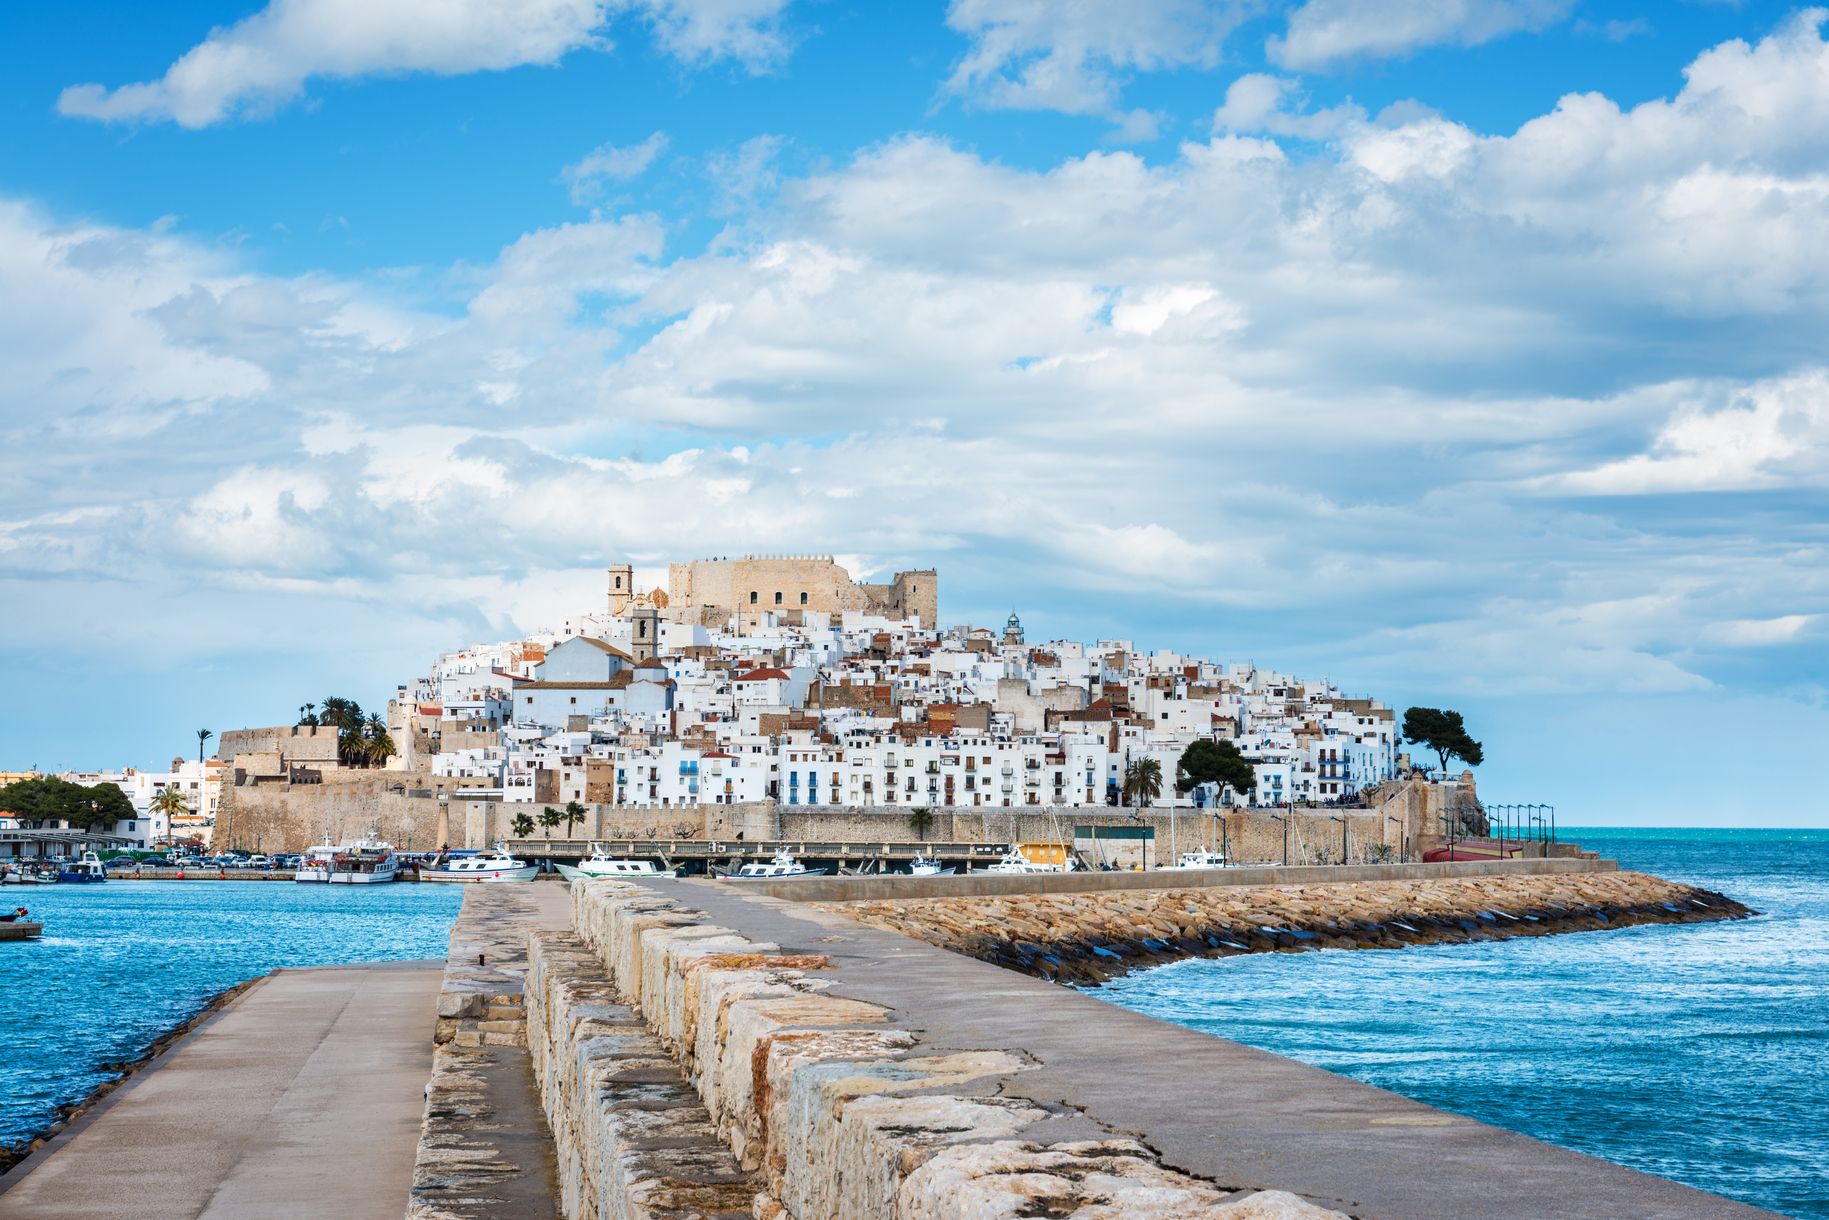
(608, 163)
(264, 61)
(1073, 55)
(1330, 401)
(1322, 33)
(1726, 438)
(1259, 102)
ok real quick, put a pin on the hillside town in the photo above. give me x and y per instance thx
(779, 680)
(774, 685)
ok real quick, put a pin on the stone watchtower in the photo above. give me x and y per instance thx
(621, 587)
(644, 631)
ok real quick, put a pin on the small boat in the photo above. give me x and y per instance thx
(14, 925)
(928, 866)
(1197, 859)
(493, 865)
(601, 864)
(318, 863)
(84, 871)
(1014, 861)
(783, 865)
(367, 861)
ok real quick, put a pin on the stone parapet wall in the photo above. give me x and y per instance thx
(837, 1110)
(631, 1137)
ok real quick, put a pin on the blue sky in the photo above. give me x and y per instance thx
(1466, 352)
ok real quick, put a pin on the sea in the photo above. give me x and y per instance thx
(122, 962)
(1698, 1052)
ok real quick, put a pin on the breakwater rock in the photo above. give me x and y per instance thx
(1090, 937)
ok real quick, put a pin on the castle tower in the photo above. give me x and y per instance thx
(1012, 630)
(644, 631)
(621, 587)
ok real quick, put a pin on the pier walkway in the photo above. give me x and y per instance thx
(302, 1098)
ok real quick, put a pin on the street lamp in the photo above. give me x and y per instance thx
(1285, 821)
(1342, 822)
(1402, 855)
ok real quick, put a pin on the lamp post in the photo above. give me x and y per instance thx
(1342, 822)
(1285, 821)
(1402, 854)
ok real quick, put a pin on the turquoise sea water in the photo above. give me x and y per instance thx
(1696, 1052)
(122, 962)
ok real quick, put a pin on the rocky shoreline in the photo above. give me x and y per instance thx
(1088, 938)
(12, 1155)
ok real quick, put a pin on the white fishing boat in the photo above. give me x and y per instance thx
(494, 865)
(367, 861)
(928, 866)
(318, 862)
(1014, 861)
(1197, 859)
(600, 863)
(783, 865)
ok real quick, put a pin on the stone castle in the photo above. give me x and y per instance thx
(741, 590)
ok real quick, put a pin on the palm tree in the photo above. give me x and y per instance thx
(1143, 780)
(921, 820)
(523, 825)
(169, 802)
(574, 813)
(549, 818)
(377, 744)
(203, 735)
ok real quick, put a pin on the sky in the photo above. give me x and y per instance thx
(1465, 353)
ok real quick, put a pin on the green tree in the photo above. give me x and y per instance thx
(549, 819)
(920, 820)
(49, 799)
(1444, 732)
(1215, 762)
(522, 824)
(574, 813)
(1143, 780)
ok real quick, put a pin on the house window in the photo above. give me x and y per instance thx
(777, 597)
(752, 597)
(803, 597)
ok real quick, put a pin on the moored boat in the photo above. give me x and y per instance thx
(87, 870)
(600, 863)
(928, 866)
(1014, 861)
(494, 865)
(364, 862)
(1197, 859)
(14, 925)
(318, 862)
(783, 865)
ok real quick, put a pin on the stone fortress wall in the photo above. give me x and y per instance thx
(748, 586)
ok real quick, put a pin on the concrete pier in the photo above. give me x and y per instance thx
(983, 1078)
(302, 1098)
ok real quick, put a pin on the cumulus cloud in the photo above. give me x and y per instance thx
(609, 163)
(265, 60)
(1322, 33)
(1327, 402)
(1073, 55)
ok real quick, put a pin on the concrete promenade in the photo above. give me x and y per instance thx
(302, 1098)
